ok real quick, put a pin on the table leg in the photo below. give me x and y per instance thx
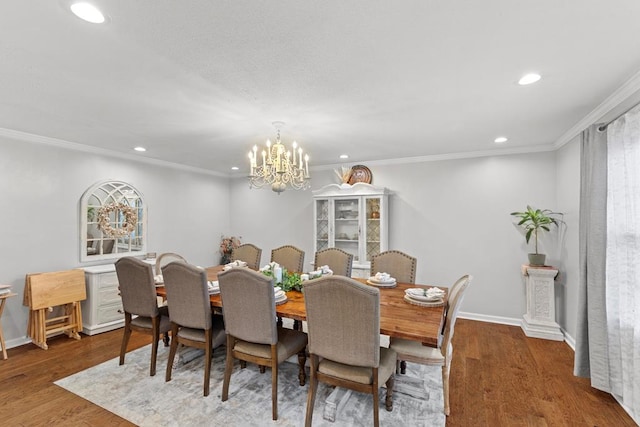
(4, 346)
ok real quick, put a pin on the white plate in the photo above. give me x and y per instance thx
(382, 282)
(279, 294)
(382, 285)
(281, 300)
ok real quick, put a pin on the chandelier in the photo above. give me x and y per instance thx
(279, 167)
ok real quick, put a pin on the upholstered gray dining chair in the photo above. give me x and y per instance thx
(339, 261)
(413, 351)
(165, 258)
(138, 292)
(192, 322)
(398, 264)
(344, 340)
(289, 257)
(248, 253)
(255, 338)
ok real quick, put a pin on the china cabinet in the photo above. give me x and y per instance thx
(353, 218)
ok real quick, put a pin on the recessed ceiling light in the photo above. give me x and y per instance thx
(140, 149)
(527, 79)
(344, 156)
(234, 168)
(87, 12)
(500, 139)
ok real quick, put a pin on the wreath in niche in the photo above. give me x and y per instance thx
(128, 225)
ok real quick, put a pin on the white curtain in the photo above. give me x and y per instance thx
(623, 259)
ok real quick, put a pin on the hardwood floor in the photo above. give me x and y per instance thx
(499, 377)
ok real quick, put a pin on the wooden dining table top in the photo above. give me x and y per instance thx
(398, 318)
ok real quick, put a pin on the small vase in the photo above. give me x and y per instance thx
(226, 259)
(537, 259)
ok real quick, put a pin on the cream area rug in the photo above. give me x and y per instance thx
(131, 393)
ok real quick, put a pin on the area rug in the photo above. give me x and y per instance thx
(131, 393)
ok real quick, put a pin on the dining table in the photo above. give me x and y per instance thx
(398, 318)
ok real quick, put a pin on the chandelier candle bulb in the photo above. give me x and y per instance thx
(300, 154)
(306, 165)
(294, 145)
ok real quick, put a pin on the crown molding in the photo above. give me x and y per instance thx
(617, 103)
(46, 140)
(449, 156)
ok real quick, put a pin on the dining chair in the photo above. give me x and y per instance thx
(138, 292)
(397, 264)
(248, 253)
(252, 334)
(289, 257)
(344, 340)
(165, 258)
(414, 351)
(192, 322)
(339, 261)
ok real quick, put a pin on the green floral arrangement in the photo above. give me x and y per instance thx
(290, 281)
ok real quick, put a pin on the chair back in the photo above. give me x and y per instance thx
(137, 287)
(248, 253)
(165, 258)
(397, 264)
(343, 320)
(248, 305)
(187, 295)
(456, 294)
(289, 257)
(339, 261)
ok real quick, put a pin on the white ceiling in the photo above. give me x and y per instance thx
(199, 82)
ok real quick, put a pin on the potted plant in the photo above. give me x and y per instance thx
(534, 220)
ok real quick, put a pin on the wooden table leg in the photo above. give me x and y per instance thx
(4, 346)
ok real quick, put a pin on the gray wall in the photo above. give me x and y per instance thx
(40, 189)
(451, 214)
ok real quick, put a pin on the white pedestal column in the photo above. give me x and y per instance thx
(540, 318)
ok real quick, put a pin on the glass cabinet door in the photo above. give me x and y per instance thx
(346, 213)
(322, 224)
(373, 227)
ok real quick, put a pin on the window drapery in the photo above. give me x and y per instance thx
(608, 345)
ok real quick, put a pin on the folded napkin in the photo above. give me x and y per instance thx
(434, 293)
(213, 285)
(325, 270)
(235, 264)
(383, 277)
(158, 278)
(279, 294)
(271, 266)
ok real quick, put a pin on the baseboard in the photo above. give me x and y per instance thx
(571, 342)
(17, 342)
(490, 319)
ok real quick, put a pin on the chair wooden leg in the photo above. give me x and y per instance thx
(243, 364)
(165, 339)
(125, 337)
(403, 367)
(155, 331)
(172, 350)
(375, 391)
(274, 381)
(388, 403)
(445, 388)
(228, 368)
(313, 387)
(302, 360)
(263, 369)
(207, 360)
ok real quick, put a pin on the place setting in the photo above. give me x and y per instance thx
(382, 280)
(235, 264)
(280, 295)
(426, 297)
(213, 287)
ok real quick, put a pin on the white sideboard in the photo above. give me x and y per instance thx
(102, 310)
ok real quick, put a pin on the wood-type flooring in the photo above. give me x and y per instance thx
(499, 377)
